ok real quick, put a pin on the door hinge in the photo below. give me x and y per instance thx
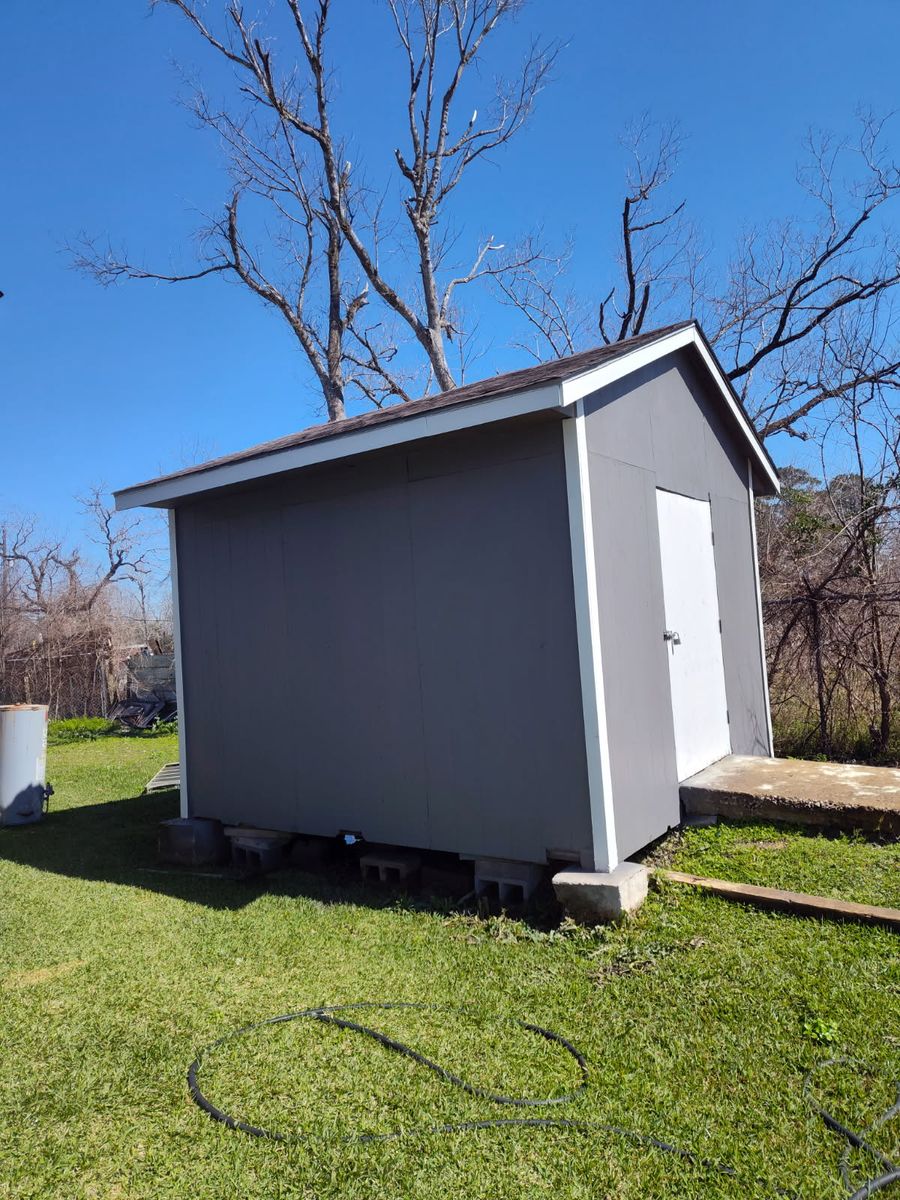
(720, 624)
(727, 717)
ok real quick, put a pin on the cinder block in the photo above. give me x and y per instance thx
(257, 850)
(510, 882)
(389, 866)
(598, 897)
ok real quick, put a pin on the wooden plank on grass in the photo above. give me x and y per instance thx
(798, 903)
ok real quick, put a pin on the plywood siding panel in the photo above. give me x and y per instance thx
(200, 540)
(351, 653)
(390, 648)
(663, 426)
(635, 671)
(500, 683)
(743, 662)
(479, 448)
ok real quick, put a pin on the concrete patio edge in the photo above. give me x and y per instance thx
(837, 795)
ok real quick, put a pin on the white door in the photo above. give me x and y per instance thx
(692, 638)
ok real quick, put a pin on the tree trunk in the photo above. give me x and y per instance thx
(334, 400)
(433, 341)
(821, 696)
(882, 734)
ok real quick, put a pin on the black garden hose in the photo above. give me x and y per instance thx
(853, 1140)
(328, 1015)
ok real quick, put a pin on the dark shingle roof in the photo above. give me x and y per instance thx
(497, 385)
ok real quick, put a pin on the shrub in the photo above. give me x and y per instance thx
(80, 729)
(165, 727)
(157, 729)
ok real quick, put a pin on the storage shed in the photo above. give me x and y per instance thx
(502, 621)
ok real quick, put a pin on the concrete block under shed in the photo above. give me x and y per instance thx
(389, 866)
(257, 850)
(192, 842)
(599, 897)
(510, 882)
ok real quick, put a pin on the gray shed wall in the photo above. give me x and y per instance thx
(661, 427)
(388, 645)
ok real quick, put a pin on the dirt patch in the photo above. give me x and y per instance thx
(639, 958)
(24, 979)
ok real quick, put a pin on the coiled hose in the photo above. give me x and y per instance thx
(328, 1015)
(853, 1140)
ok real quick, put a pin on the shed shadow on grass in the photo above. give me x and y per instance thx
(116, 842)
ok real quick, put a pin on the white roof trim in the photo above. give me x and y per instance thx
(547, 397)
(391, 433)
(579, 386)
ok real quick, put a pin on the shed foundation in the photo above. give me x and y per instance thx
(507, 881)
(390, 865)
(599, 897)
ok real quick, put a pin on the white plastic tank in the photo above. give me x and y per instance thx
(23, 763)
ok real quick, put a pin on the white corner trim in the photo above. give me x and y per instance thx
(360, 441)
(759, 609)
(579, 386)
(179, 674)
(587, 622)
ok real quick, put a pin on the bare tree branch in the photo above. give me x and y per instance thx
(286, 156)
(557, 318)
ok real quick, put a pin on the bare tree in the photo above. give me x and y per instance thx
(802, 320)
(830, 565)
(557, 319)
(658, 260)
(802, 316)
(286, 153)
(61, 618)
(805, 320)
(655, 241)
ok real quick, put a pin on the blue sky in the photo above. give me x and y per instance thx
(115, 385)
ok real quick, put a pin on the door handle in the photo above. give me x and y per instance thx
(669, 635)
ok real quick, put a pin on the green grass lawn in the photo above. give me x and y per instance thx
(699, 1019)
(845, 866)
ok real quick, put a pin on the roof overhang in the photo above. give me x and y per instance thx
(163, 493)
(578, 387)
(560, 396)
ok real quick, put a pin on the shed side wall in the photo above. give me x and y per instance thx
(662, 428)
(400, 634)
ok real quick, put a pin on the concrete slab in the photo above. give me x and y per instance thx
(842, 795)
(599, 897)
